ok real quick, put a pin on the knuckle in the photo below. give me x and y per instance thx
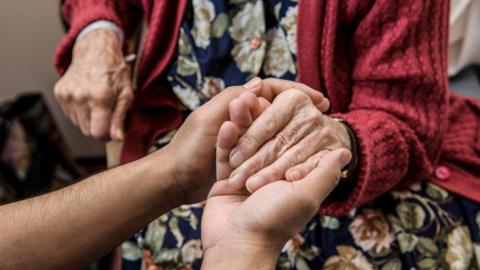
(296, 95)
(80, 97)
(251, 168)
(128, 95)
(103, 96)
(280, 143)
(326, 132)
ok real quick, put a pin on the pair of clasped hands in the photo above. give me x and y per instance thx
(277, 158)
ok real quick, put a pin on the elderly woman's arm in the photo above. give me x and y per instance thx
(398, 109)
(95, 90)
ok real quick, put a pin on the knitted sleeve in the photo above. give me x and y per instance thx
(80, 13)
(398, 107)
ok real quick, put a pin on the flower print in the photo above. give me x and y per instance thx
(371, 231)
(186, 63)
(347, 258)
(294, 243)
(278, 59)
(459, 248)
(203, 15)
(191, 251)
(188, 96)
(289, 24)
(297, 254)
(212, 86)
(476, 250)
(331, 223)
(248, 31)
(131, 251)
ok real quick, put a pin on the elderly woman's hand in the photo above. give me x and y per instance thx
(286, 142)
(96, 90)
(253, 229)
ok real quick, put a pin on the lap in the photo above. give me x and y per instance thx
(424, 227)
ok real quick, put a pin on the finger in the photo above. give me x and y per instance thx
(324, 178)
(253, 103)
(272, 87)
(118, 116)
(71, 112)
(273, 119)
(222, 187)
(303, 169)
(100, 122)
(297, 154)
(240, 114)
(264, 104)
(253, 85)
(83, 118)
(227, 138)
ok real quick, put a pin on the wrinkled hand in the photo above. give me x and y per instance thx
(96, 90)
(193, 146)
(273, 213)
(285, 142)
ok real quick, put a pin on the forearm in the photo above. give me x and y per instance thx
(76, 225)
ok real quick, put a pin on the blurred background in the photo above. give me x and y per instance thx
(29, 33)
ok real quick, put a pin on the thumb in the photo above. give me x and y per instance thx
(324, 178)
(118, 117)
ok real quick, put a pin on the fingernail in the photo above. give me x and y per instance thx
(324, 103)
(253, 83)
(235, 159)
(254, 183)
(345, 157)
(119, 134)
(236, 181)
(292, 176)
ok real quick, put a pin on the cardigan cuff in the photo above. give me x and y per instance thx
(101, 24)
(383, 161)
(80, 14)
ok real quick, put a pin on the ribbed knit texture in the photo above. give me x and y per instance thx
(381, 63)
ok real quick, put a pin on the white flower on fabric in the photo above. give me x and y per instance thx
(203, 15)
(459, 248)
(191, 251)
(188, 96)
(289, 23)
(248, 31)
(347, 258)
(278, 59)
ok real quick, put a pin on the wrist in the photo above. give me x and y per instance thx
(100, 45)
(350, 169)
(160, 172)
(241, 255)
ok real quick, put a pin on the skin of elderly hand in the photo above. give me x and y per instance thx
(286, 142)
(193, 147)
(96, 90)
(258, 225)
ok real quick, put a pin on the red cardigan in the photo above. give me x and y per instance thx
(381, 63)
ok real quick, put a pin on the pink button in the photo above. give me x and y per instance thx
(442, 173)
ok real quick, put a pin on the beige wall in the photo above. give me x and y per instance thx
(29, 32)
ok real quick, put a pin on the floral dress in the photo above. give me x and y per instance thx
(224, 43)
